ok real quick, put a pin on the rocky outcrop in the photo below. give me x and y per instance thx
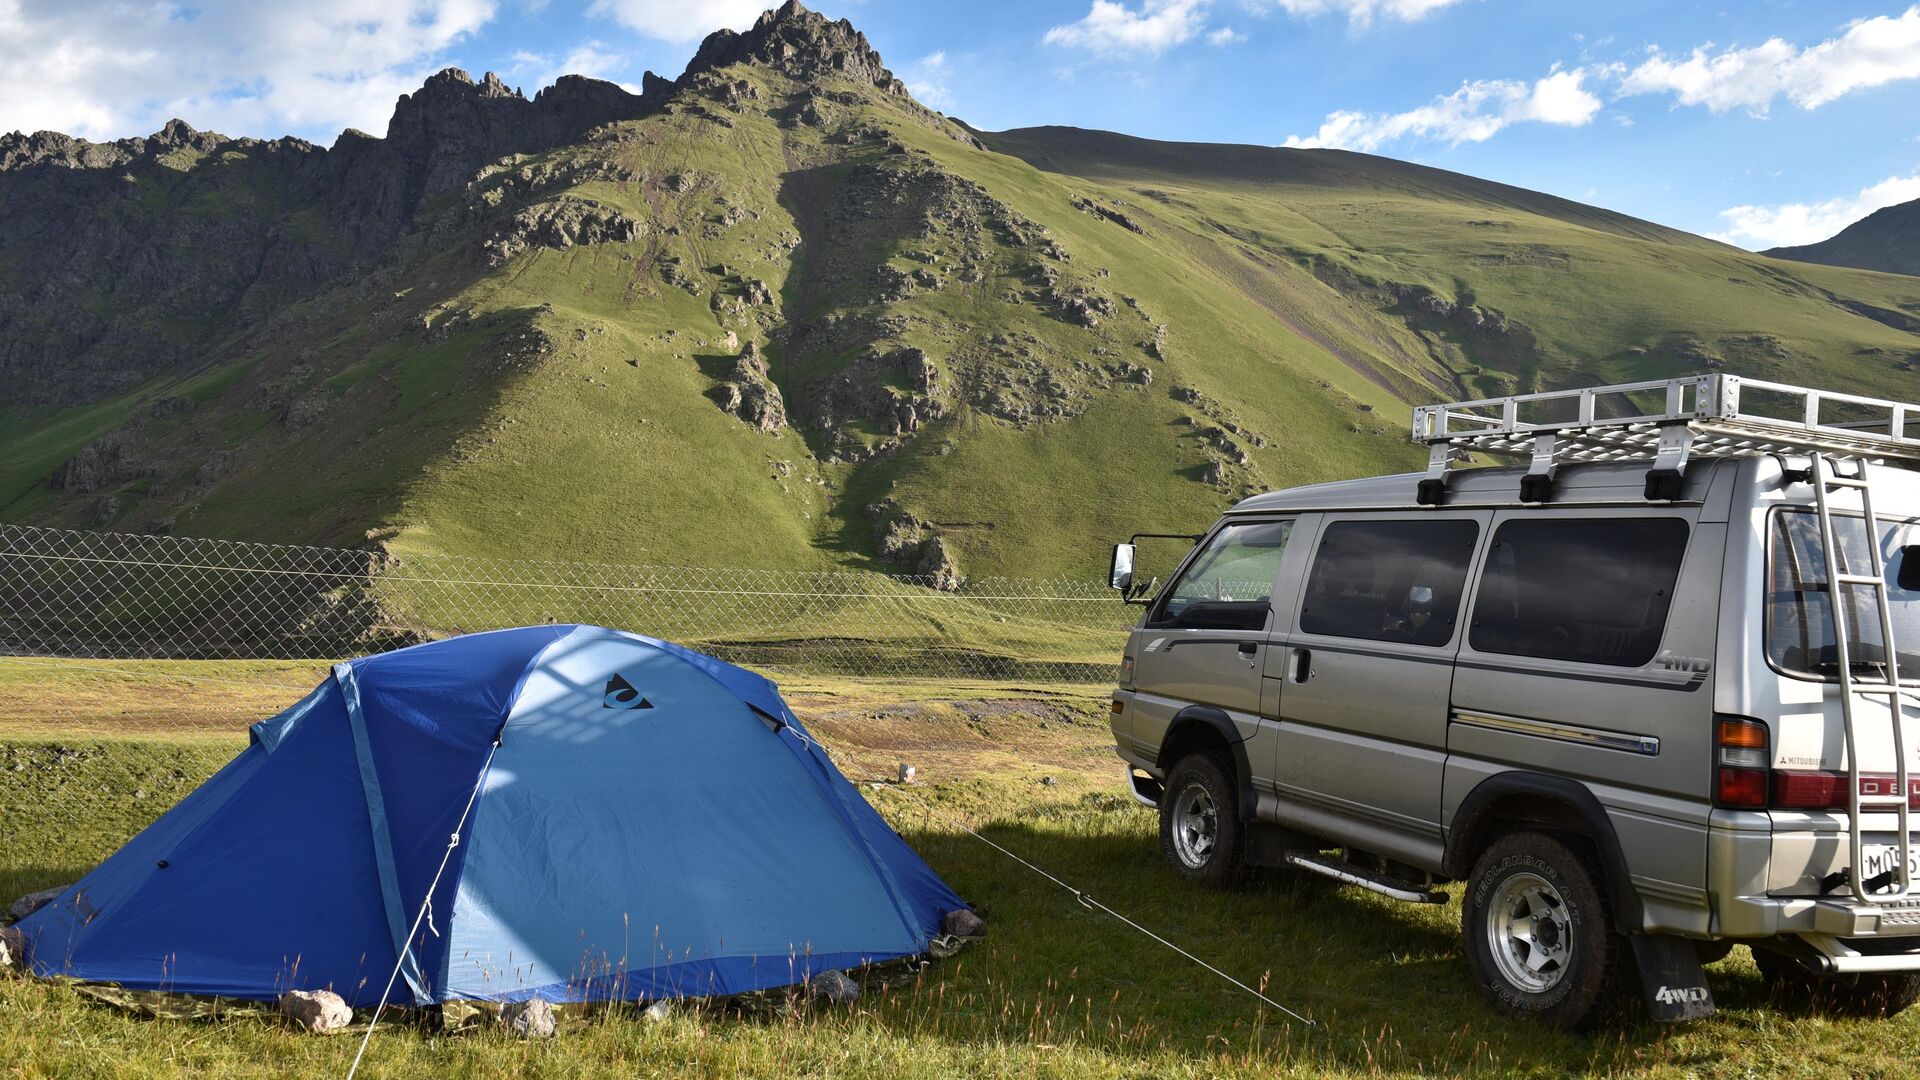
(103, 464)
(892, 393)
(801, 44)
(1485, 334)
(444, 132)
(121, 261)
(561, 224)
(750, 394)
(1110, 213)
(912, 547)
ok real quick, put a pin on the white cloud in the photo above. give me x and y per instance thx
(1113, 28)
(926, 80)
(1363, 12)
(1226, 35)
(681, 20)
(1872, 52)
(1474, 113)
(105, 69)
(1789, 224)
(594, 59)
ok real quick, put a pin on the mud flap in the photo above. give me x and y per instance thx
(1671, 981)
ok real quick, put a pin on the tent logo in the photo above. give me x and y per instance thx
(620, 694)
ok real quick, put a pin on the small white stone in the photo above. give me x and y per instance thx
(320, 1011)
(529, 1019)
(13, 948)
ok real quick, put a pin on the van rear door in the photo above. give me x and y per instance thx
(1588, 656)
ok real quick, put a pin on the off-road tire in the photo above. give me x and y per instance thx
(1582, 985)
(1224, 861)
(1875, 995)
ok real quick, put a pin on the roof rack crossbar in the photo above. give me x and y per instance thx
(1665, 422)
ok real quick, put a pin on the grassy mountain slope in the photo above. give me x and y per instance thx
(784, 316)
(1887, 240)
(1599, 296)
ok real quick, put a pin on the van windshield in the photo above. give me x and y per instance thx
(1228, 585)
(1800, 605)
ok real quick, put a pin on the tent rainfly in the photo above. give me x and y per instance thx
(631, 820)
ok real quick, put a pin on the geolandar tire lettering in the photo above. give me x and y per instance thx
(1200, 828)
(1538, 933)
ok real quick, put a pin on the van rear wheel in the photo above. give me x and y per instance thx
(1538, 933)
(1200, 828)
(1871, 995)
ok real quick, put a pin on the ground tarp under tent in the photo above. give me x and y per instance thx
(653, 823)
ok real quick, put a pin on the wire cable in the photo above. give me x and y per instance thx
(426, 904)
(1087, 900)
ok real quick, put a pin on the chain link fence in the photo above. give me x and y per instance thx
(110, 633)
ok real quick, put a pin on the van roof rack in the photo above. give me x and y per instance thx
(1665, 422)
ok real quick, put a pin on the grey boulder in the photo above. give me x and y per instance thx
(963, 923)
(835, 987)
(33, 902)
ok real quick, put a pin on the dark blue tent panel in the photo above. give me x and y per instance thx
(653, 823)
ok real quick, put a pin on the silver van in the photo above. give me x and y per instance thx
(1611, 690)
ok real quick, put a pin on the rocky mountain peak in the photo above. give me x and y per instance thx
(799, 43)
(453, 125)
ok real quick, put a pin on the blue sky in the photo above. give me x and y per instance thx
(1762, 123)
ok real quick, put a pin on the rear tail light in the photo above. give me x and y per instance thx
(1743, 780)
(1740, 775)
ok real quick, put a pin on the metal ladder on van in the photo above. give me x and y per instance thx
(1827, 482)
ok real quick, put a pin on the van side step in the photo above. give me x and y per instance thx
(1370, 880)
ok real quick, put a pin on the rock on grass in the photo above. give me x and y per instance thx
(321, 1011)
(529, 1019)
(835, 988)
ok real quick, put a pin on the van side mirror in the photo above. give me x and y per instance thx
(1120, 572)
(1909, 573)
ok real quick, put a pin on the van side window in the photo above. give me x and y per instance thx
(1584, 590)
(1228, 585)
(1389, 580)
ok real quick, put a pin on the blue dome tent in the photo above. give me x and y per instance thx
(652, 823)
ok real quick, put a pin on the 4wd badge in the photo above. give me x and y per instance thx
(1682, 995)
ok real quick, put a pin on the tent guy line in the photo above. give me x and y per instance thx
(426, 905)
(1087, 901)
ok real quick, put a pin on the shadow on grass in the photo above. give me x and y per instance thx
(1384, 981)
(18, 881)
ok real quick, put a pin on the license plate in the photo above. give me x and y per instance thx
(1877, 859)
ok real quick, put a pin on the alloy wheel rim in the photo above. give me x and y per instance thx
(1530, 933)
(1196, 826)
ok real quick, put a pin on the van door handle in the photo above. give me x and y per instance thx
(1302, 665)
(1248, 649)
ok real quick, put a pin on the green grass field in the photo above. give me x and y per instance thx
(1056, 989)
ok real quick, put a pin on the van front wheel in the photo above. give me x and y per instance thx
(1200, 828)
(1537, 931)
